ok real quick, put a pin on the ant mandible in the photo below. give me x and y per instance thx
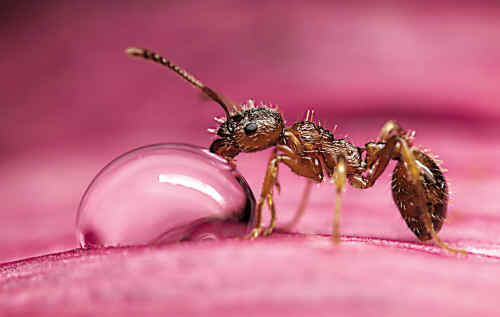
(309, 150)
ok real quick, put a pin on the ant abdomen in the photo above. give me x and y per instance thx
(407, 195)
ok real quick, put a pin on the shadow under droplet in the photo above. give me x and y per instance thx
(90, 239)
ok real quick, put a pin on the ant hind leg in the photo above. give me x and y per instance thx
(420, 193)
(302, 207)
(418, 186)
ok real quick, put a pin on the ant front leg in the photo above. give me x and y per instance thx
(301, 165)
(266, 194)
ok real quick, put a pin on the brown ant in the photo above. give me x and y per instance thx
(309, 150)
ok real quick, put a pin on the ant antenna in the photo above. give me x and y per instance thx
(155, 57)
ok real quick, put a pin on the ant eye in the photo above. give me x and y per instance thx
(250, 128)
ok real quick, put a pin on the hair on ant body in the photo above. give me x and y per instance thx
(309, 150)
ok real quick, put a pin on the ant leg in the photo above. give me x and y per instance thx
(340, 178)
(429, 226)
(266, 194)
(418, 186)
(380, 153)
(430, 171)
(414, 174)
(302, 207)
(272, 224)
(392, 128)
(304, 166)
(257, 229)
(295, 142)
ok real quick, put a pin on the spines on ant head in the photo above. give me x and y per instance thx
(155, 57)
(248, 109)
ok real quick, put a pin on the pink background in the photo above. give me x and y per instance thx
(72, 101)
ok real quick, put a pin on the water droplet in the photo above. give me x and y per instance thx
(164, 193)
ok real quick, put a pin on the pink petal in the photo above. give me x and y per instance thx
(72, 101)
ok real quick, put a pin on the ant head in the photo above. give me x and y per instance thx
(249, 130)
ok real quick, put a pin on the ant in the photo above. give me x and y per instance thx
(309, 150)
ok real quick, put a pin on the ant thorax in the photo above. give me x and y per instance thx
(320, 142)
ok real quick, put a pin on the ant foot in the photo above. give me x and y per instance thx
(268, 231)
(255, 233)
(336, 238)
(459, 251)
(452, 250)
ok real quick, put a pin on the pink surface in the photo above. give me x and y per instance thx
(72, 101)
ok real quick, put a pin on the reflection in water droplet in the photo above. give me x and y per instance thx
(164, 193)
